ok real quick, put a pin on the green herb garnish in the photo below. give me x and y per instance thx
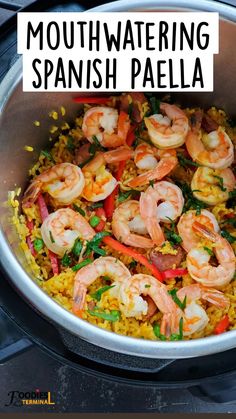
(98, 294)
(93, 245)
(94, 221)
(155, 105)
(221, 183)
(209, 251)
(97, 144)
(190, 201)
(113, 316)
(151, 183)
(80, 265)
(179, 336)
(79, 210)
(125, 195)
(232, 199)
(95, 205)
(147, 286)
(66, 260)
(184, 162)
(38, 244)
(48, 155)
(51, 237)
(181, 304)
(231, 239)
(157, 332)
(133, 264)
(76, 250)
(70, 144)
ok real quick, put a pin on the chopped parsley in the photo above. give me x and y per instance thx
(95, 205)
(66, 260)
(209, 251)
(76, 250)
(181, 304)
(184, 162)
(98, 294)
(93, 245)
(190, 201)
(51, 237)
(157, 332)
(113, 316)
(70, 144)
(179, 336)
(97, 144)
(125, 195)
(80, 265)
(231, 239)
(171, 235)
(155, 105)
(220, 183)
(48, 155)
(79, 210)
(133, 264)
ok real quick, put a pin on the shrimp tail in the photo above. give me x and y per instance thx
(204, 231)
(165, 166)
(215, 297)
(79, 297)
(119, 154)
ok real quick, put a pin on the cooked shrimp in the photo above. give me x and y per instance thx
(62, 227)
(128, 226)
(171, 202)
(167, 162)
(99, 183)
(168, 131)
(212, 186)
(198, 260)
(195, 317)
(109, 127)
(119, 154)
(133, 305)
(144, 157)
(196, 292)
(214, 150)
(186, 232)
(64, 182)
(103, 266)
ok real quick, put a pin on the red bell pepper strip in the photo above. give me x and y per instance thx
(172, 273)
(30, 226)
(100, 212)
(222, 326)
(92, 99)
(44, 214)
(109, 203)
(135, 255)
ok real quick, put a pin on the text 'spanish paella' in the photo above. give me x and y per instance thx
(129, 220)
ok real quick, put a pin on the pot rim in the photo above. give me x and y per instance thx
(37, 298)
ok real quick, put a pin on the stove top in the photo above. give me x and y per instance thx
(76, 379)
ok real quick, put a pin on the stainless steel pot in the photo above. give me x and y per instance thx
(19, 110)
